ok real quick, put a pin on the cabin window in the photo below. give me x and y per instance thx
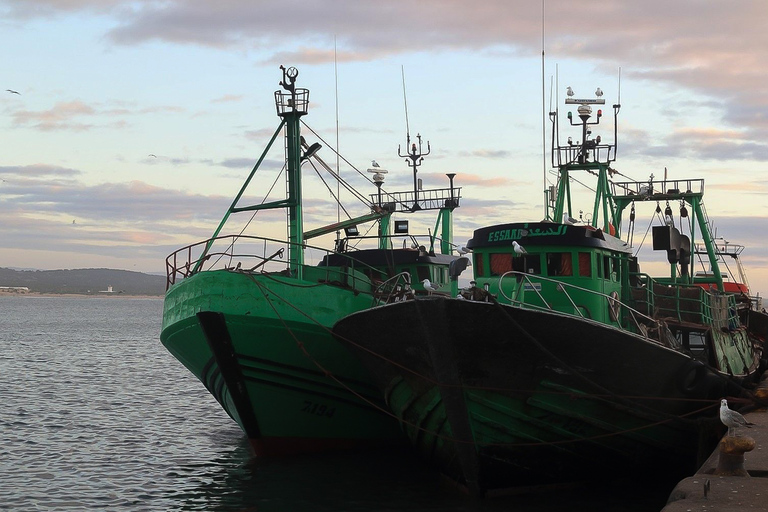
(478, 263)
(610, 268)
(585, 264)
(506, 262)
(500, 263)
(559, 264)
(530, 264)
(423, 273)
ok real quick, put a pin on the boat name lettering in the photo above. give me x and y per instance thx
(515, 234)
(318, 409)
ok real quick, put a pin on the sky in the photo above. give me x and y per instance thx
(136, 122)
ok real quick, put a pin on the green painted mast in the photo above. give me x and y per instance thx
(291, 105)
(446, 217)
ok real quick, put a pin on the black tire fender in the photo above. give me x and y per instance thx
(692, 379)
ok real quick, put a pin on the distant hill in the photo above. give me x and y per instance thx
(84, 281)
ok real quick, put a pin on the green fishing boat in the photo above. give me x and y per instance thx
(564, 361)
(251, 318)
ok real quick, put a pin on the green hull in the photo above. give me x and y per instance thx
(305, 391)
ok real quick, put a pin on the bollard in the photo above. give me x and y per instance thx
(731, 458)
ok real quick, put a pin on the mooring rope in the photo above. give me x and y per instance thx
(386, 411)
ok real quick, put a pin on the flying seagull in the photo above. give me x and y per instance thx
(152, 155)
(429, 286)
(13, 92)
(374, 163)
(519, 249)
(730, 418)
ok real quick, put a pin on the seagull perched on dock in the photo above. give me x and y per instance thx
(429, 286)
(519, 249)
(731, 419)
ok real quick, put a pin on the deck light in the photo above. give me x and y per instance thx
(311, 150)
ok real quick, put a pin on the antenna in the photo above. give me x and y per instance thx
(338, 169)
(619, 98)
(543, 112)
(405, 102)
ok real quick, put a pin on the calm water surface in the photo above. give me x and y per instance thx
(95, 414)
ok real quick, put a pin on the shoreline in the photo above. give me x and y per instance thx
(80, 295)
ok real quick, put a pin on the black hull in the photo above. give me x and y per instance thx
(498, 396)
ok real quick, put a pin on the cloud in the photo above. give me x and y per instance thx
(487, 153)
(78, 116)
(228, 98)
(60, 117)
(36, 170)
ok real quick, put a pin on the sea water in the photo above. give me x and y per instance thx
(96, 414)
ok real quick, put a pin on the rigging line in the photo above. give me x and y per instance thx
(359, 240)
(358, 195)
(339, 206)
(338, 169)
(437, 383)
(543, 111)
(570, 177)
(650, 224)
(405, 102)
(346, 185)
(437, 434)
(568, 367)
(610, 434)
(369, 180)
(235, 237)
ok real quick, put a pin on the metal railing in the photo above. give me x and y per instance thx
(613, 303)
(351, 273)
(430, 199)
(241, 253)
(685, 302)
(658, 189)
(395, 289)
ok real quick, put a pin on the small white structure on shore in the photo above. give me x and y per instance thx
(14, 289)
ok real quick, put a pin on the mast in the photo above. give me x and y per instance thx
(292, 103)
(589, 154)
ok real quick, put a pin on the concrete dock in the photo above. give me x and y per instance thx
(716, 486)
